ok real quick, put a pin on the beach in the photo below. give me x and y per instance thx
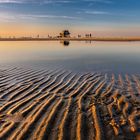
(123, 39)
(59, 104)
(69, 70)
(55, 94)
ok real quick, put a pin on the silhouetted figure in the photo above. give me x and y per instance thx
(37, 36)
(79, 36)
(88, 35)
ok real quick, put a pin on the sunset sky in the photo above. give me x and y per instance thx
(100, 17)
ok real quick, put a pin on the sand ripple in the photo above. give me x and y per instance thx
(58, 104)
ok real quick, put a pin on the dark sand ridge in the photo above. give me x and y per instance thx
(74, 39)
(58, 104)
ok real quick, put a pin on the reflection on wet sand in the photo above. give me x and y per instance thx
(65, 42)
(118, 57)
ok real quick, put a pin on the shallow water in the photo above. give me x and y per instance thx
(116, 57)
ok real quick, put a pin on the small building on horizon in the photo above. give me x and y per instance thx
(65, 33)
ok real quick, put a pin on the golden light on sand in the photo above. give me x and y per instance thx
(59, 104)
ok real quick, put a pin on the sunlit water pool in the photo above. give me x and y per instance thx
(116, 57)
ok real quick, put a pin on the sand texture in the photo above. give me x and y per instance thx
(63, 105)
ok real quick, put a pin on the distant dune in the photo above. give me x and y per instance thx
(58, 104)
(74, 39)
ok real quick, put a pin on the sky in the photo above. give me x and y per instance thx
(43, 17)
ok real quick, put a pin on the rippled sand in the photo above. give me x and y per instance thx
(57, 104)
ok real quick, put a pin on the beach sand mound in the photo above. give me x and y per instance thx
(62, 105)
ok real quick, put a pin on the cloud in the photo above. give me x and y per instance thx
(14, 17)
(99, 1)
(94, 12)
(34, 1)
(12, 1)
(56, 1)
(97, 12)
(32, 16)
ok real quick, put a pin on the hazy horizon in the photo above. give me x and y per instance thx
(99, 17)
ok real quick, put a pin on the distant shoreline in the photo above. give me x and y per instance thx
(71, 39)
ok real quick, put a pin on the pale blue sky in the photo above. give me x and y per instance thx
(100, 16)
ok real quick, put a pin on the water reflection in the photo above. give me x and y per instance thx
(88, 41)
(80, 56)
(65, 43)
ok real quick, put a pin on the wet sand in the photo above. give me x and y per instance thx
(59, 104)
(121, 39)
